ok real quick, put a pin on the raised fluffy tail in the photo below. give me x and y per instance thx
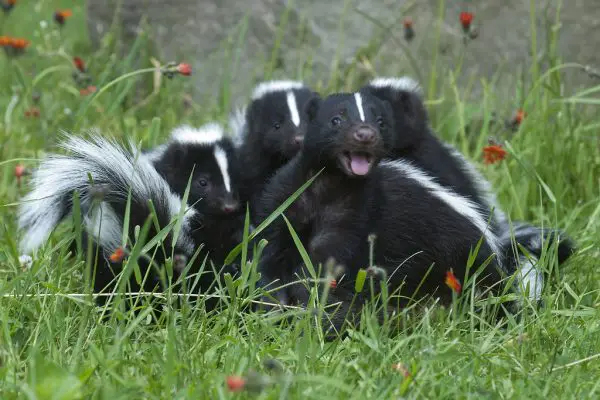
(116, 173)
(534, 240)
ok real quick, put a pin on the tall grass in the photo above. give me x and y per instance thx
(55, 344)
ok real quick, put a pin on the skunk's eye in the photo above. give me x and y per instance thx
(380, 122)
(276, 125)
(203, 182)
(335, 121)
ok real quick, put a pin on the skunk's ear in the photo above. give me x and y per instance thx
(312, 107)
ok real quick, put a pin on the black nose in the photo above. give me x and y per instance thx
(364, 135)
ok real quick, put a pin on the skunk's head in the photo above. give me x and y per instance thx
(276, 118)
(207, 153)
(350, 132)
(405, 97)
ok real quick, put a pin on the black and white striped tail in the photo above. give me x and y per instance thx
(524, 245)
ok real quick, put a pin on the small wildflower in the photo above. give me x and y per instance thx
(466, 18)
(62, 15)
(493, 154)
(409, 31)
(235, 383)
(7, 5)
(20, 172)
(452, 282)
(79, 64)
(88, 90)
(43, 24)
(184, 69)
(518, 118)
(13, 46)
(118, 255)
(173, 68)
(67, 111)
(402, 369)
(333, 283)
(32, 112)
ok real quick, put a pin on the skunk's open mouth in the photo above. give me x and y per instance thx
(358, 163)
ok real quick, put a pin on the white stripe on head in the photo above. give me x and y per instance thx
(404, 83)
(359, 105)
(205, 135)
(291, 102)
(221, 158)
(460, 204)
(267, 87)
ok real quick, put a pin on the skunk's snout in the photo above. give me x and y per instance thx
(230, 204)
(365, 135)
(298, 140)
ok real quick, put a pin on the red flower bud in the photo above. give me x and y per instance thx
(184, 69)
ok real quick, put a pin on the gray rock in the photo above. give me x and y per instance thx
(359, 39)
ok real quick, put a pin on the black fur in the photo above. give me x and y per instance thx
(415, 141)
(270, 139)
(337, 213)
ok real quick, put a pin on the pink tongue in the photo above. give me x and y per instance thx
(359, 164)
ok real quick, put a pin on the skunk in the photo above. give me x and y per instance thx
(415, 142)
(209, 218)
(270, 131)
(417, 223)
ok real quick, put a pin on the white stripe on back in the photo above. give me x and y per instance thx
(221, 158)
(359, 105)
(458, 203)
(291, 102)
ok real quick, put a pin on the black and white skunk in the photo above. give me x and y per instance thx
(417, 222)
(210, 217)
(270, 131)
(416, 143)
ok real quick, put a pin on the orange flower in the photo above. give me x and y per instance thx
(333, 284)
(7, 5)
(493, 154)
(88, 90)
(519, 117)
(118, 255)
(452, 282)
(61, 16)
(466, 18)
(184, 69)
(32, 112)
(235, 383)
(20, 171)
(19, 44)
(5, 41)
(79, 64)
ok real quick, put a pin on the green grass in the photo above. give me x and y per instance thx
(57, 346)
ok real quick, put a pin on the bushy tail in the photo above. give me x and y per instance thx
(116, 173)
(534, 240)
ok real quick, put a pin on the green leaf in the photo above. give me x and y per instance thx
(359, 283)
(278, 211)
